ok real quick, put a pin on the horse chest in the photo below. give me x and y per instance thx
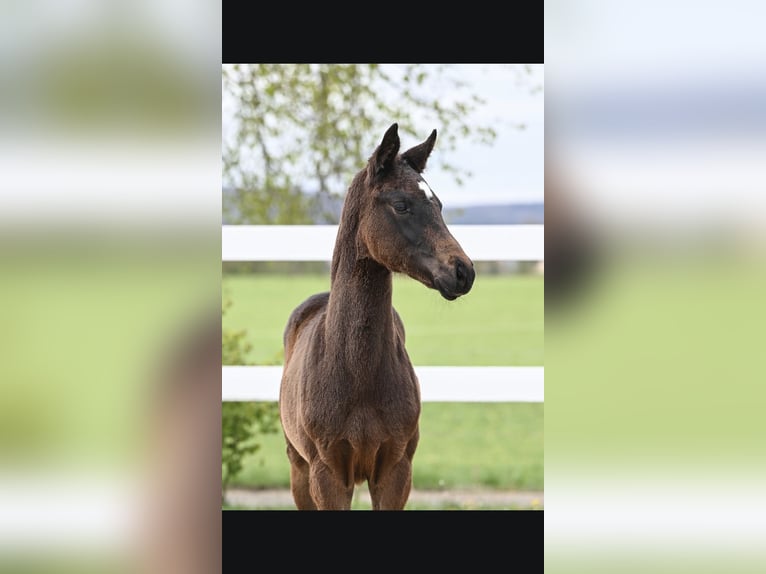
(363, 407)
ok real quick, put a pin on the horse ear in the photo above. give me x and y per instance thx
(418, 155)
(383, 157)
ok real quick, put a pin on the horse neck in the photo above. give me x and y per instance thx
(359, 323)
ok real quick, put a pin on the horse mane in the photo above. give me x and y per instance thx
(345, 243)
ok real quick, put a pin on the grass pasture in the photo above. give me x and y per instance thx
(462, 445)
(500, 322)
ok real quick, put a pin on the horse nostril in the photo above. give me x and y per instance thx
(464, 276)
(461, 274)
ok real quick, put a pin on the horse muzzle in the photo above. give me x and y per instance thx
(456, 280)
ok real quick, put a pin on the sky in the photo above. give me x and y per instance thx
(512, 169)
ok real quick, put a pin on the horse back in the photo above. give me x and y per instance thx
(300, 316)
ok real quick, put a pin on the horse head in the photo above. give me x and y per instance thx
(401, 226)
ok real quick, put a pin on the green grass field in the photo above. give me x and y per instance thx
(462, 445)
(83, 335)
(500, 322)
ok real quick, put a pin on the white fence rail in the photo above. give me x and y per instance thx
(316, 242)
(438, 383)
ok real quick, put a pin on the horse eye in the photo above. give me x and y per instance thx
(400, 206)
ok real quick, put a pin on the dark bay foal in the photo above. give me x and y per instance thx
(349, 399)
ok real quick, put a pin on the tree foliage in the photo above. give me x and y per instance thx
(300, 128)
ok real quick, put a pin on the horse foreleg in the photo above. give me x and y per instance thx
(299, 480)
(329, 490)
(391, 490)
(391, 482)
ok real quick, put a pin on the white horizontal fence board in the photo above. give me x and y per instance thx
(448, 384)
(501, 242)
(278, 242)
(240, 383)
(316, 242)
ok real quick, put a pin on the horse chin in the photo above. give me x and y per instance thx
(448, 296)
(444, 291)
(433, 283)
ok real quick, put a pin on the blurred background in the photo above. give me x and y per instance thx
(655, 180)
(294, 135)
(109, 275)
